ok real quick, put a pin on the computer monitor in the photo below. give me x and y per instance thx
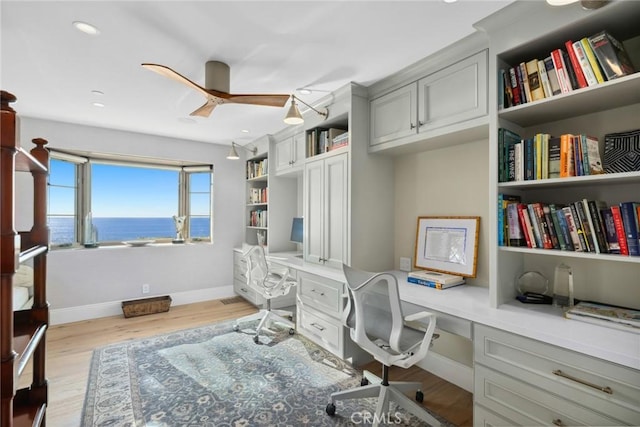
(296, 230)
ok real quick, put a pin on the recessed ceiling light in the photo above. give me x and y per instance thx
(245, 131)
(449, 1)
(304, 91)
(86, 28)
(97, 92)
(97, 104)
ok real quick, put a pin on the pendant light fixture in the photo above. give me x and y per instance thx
(233, 154)
(294, 117)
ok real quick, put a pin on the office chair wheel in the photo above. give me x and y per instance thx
(331, 409)
(419, 396)
(364, 382)
(291, 317)
(292, 331)
(236, 328)
(256, 339)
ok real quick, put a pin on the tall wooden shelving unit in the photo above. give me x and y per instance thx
(22, 333)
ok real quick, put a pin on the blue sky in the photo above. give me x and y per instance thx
(122, 191)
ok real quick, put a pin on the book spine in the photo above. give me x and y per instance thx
(566, 155)
(563, 76)
(500, 219)
(516, 238)
(564, 230)
(529, 159)
(630, 223)
(545, 233)
(610, 231)
(593, 155)
(525, 224)
(593, 240)
(576, 219)
(585, 66)
(577, 155)
(618, 223)
(573, 80)
(544, 78)
(515, 88)
(573, 229)
(584, 226)
(554, 157)
(575, 64)
(538, 157)
(595, 209)
(553, 75)
(534, 80)
(553, 234)
(524, 80)
(593, 61)
(431, 283)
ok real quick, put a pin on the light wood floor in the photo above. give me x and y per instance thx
(70, 346)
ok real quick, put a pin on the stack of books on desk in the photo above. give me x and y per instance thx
(433, 279)
(606, 315)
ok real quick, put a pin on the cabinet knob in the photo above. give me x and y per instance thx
(317, 292)
(412, 126)
(420, 124)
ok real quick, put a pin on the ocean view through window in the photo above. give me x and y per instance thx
(102, 201)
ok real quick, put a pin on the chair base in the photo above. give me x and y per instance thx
(394, 390)
(267, 317)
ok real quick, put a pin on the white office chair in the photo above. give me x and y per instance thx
(269, 281)
(376, 323)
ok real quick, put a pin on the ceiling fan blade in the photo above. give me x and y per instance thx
(206, 109)
(168, 72)
(272, 100)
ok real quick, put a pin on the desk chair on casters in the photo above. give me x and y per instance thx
(376, 323)
(270, 282)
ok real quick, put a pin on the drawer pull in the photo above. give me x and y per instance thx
(244, 290)
(559, 373)
(558, 422)
(318, 327)
(317, 292)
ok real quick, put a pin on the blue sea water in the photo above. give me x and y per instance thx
(122, 229)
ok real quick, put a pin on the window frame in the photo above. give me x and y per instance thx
(82, 208)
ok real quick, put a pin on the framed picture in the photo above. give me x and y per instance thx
(448, 244)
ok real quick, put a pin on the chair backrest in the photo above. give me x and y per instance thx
(269, 281)
(374, 309)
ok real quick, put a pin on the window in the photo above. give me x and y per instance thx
(107, 201)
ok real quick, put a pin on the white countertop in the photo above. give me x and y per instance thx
(540, 322)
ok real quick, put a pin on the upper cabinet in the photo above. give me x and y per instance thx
(442, 102)
(290, 154)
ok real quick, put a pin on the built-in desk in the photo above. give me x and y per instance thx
(531, 366)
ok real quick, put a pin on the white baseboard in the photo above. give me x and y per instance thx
(114, 308)
(448, 369)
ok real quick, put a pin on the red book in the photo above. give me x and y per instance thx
(561, 70)
(525, 224)
(577, 69)
(617, 222)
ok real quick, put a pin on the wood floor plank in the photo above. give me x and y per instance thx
(70, 347)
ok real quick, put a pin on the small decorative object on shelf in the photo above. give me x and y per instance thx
(563, 286)
(179, 223)
(622, 151)
(90, 232)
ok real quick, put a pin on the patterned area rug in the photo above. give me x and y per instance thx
(213, 376)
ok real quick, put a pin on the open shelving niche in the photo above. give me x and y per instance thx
(612, 106)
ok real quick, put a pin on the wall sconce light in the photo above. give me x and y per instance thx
(233, 154)
(294, 117)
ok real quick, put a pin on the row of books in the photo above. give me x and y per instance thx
(581, 226)
(322, 140)
(258, 195)
(606, 315)
(257, 168)
(587, 62)
(258, 218)
(434, 279)
(545, 156)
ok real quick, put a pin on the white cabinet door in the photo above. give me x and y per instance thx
(284, 154)
(325, 210)
(290, 154)
(394, 115)
(335, 195)
(298, 150)
(453, 94)
(313, 211)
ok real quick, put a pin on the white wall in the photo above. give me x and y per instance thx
(82, 277)
(446, 182)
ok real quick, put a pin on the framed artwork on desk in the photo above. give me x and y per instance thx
(448, 244)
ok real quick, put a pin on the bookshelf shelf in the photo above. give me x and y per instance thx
(572, 254)
(611, 94)
(575, 181)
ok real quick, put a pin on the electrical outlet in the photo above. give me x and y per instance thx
(145, 288)
(405, 264)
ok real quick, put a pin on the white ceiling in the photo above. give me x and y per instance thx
(271, 47)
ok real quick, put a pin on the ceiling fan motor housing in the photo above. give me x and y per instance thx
(217, 76)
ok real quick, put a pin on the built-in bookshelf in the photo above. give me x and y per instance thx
(607, 107)
(257, 208)
(321, 140)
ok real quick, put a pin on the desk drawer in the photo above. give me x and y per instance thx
(242, 289)
(528, 405)
(602, 386)
(326, 332)
(321, 293)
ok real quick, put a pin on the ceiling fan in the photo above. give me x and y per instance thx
(216, 89)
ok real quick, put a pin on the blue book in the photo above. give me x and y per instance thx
(630, 222)
(432, 284)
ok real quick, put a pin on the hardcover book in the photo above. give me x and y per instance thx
(432, 284)
(608, 313)
(554, 157)
(630, 223)
(585, 66)
(593, 61)
(610, 231)
(611, 55)
(535, 83)
(553, 76)
(575, 64)
(619, 226)
(434, 276)
(561, 69)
